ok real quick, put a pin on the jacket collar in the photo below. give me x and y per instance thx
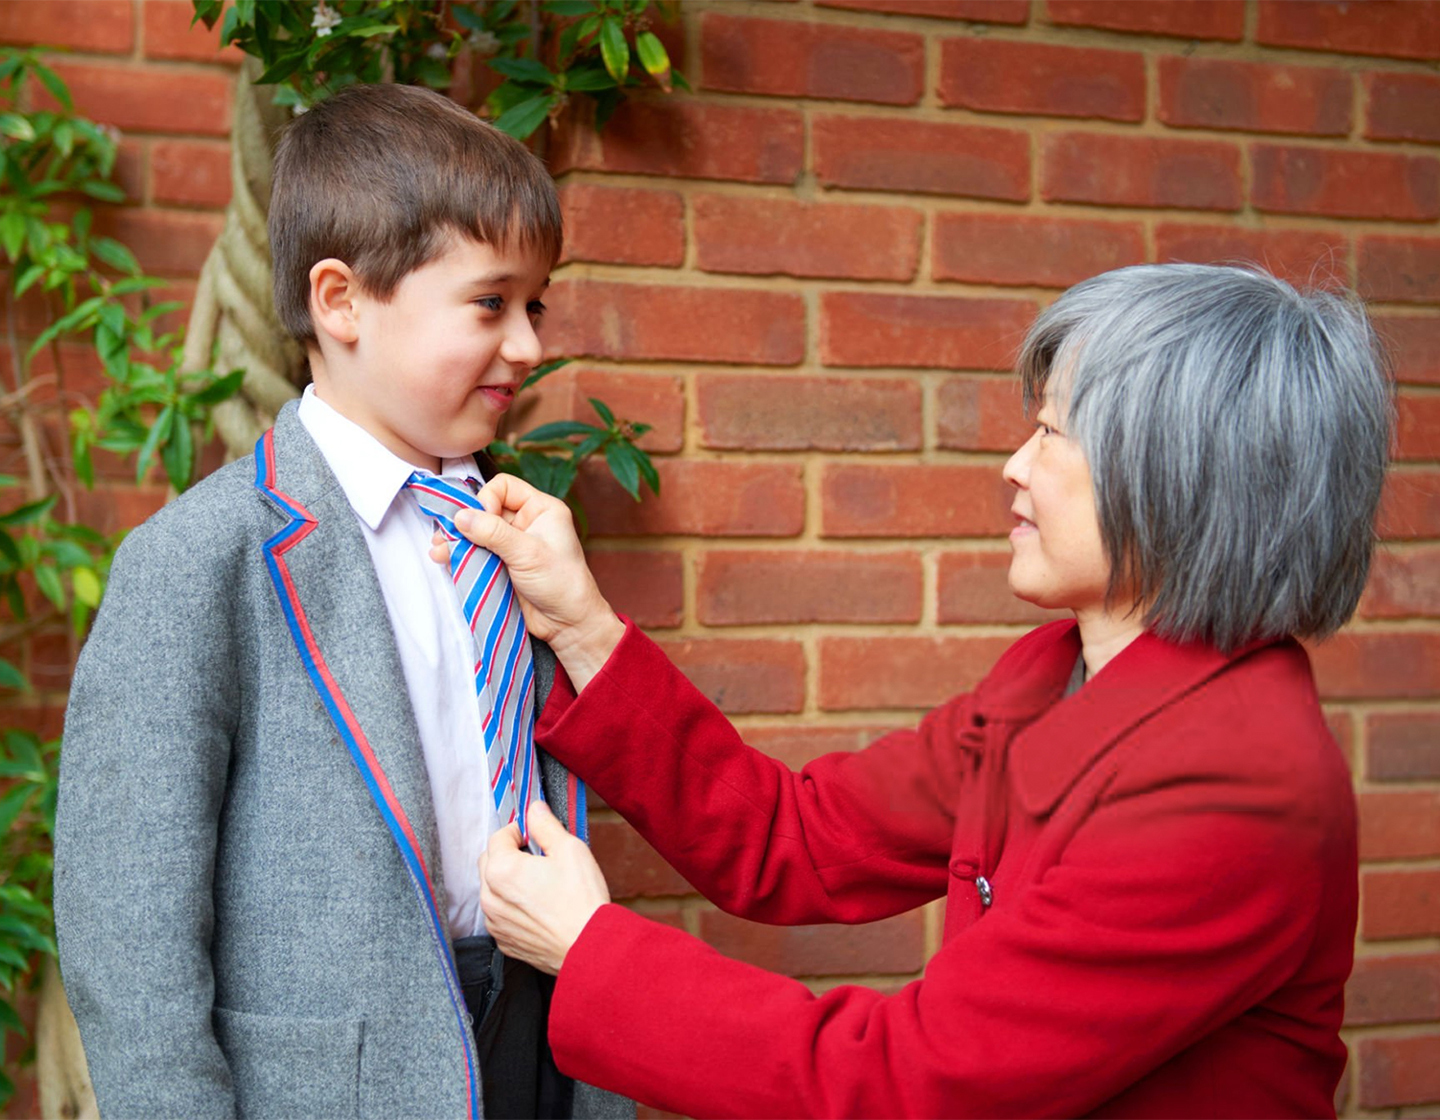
(1061, 737)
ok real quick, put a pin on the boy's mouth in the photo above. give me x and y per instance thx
(501, 396)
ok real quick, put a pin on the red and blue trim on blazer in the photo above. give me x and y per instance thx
(302, 523)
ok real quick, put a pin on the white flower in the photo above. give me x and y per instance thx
(438, 51)
(323, 20)
(298, 108)
(483, 42)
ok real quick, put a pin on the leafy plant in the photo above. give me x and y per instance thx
(90, 288)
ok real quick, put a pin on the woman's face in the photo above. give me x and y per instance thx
(1058, 560)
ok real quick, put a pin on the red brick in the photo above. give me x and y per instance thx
(974, 588)
(1418, 426)
(1403, 584)
(129, 173)
(1397, 904)
(1254, 96)
(980, 11)
(1388, 28)
(896, 154)
(687, 139)
(1342, 726)
(144, 99)
(1410, 505)
(913, 500)
(601, 319)
(1141, 171)
(633, 869)
(1414, 344)
(1400, 269)
(741, 675)
(1402, 746)
(1401, 663)
(712, 498)
(1399, 824)
(52, 660)
(1187, 19)
(797, 746)
(1049, 252)
(165, 242)
(944, 332)
(109, 509)
(1399, 1071)
(994, 76)
(1398, 989)
(1402, 107)
(902, 672)
(646, 398)
(737, 588)
(191, 172)
(797, 59)
(1345, 184)
(43, 720)
(781, 236)
(623, 225)
(1304, 257)
(169, 33)
(892, 945)
(102, 26)
(772, 413)
(981, 414)
(647, 586)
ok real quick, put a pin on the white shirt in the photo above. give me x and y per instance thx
(437, 651)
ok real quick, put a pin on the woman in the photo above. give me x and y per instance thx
(1143, 829)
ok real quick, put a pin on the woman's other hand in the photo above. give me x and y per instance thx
(534, 534)
(536, 906)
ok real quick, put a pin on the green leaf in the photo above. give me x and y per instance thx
(544, 371)
(468, 17)
(620, 457)
(603, 409)
(614, 49)
(87, 586)
(178, 454)
(654, 58)
(8, 551)
(207, 12)
(157, 435)
(111, 252)
(28, 514)
(282, 68)
(105, 192)
(221, 389)
(648, 471)
(9, 1019)
(587, 79)
(28, 277)
(17, 127)
(11, 677)
(12, 233)
(47, 579)
(527, 116)
(560, 429)
(523, 70)
(67, 554)
(568, 9)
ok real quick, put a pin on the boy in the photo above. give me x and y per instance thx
(285, 749)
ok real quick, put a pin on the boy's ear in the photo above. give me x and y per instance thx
(333, 294)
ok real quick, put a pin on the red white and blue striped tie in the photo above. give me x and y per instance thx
(505, 667)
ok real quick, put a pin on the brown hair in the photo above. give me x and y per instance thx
(378, 175)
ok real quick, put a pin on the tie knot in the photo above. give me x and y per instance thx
(451, 493)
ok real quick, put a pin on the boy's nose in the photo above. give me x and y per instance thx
(522, 345)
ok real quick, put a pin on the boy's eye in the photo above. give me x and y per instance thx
(491, 303)
(535, 308)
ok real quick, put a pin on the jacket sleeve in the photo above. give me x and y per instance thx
(852, 837)
(143, 768)
(1178, 907)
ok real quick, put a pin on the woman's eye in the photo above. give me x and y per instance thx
(491, 303)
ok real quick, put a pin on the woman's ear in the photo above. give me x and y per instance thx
(333, 294)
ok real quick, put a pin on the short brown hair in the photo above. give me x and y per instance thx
(378, 175)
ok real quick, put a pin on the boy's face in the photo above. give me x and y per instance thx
(435, 367)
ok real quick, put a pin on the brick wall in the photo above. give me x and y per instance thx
(811, 275)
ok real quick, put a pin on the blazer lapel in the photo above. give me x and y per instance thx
(336, 615)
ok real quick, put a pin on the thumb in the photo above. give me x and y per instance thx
(545, 827)
(492, 532)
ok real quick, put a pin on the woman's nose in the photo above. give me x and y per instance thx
(1017, 468)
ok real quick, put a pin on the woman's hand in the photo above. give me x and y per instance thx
(534, 534)
(536, 906)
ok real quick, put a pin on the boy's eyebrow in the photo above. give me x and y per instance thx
(500, 278)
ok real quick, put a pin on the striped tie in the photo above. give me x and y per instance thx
(505, 668)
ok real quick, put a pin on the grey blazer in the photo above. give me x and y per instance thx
(248, 893)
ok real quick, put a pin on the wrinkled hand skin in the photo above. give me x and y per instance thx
(536, 906)
(534, 535)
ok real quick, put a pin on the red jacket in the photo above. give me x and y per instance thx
(1170, 855)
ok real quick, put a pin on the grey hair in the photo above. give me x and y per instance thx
(1237, 433)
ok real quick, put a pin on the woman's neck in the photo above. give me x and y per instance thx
(1104, 633)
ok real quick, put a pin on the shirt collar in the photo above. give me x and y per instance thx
(369, 473)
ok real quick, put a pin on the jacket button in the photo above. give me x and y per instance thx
(987, 895)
